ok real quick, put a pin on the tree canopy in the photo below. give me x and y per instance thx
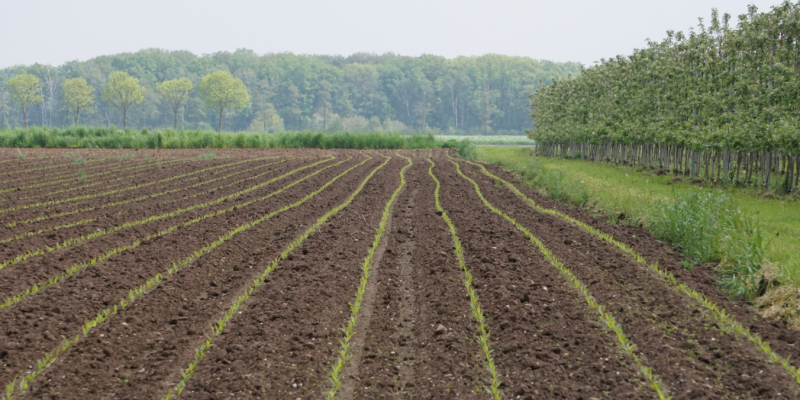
(221, 91)
(486, 94)
(175, 92)
(123, 91)
(78, 95)
(25, 91)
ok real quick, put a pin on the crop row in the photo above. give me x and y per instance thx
(89, 220)
(106, 193)
(474, 303)
(218, 327)
(136, 199)
(14, 299)
(71, 188)
(130, 224)
(64, 177)
(335, 375)
(604, 316)
(726, 322)
(607, 318)
(20, 384)
(36, 169)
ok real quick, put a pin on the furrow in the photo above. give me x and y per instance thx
(21, 383)
(474, 302)
(345, 353)
(145, 197)
(726, 322)
(606, 317)
(14, 299)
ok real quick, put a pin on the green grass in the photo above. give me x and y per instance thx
(99, 137)
(707, 223)
(489, 140)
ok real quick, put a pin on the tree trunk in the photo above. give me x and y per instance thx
(221, 111)
(25, 115)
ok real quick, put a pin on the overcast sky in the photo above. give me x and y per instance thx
(55, 31)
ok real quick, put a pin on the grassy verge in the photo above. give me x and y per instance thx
(753, 239)
(113, 138)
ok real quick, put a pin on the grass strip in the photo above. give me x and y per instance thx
(606, 317)
(727, 323)
(17, 298)
(335, 376)
(218, 327)
(126, 225)
(19, 385)
(474, 303)
(140, 198)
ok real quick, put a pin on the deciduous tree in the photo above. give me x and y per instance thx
(78, 95)
(223, 92)
(123, 91)
(25, 91)
(175, 92)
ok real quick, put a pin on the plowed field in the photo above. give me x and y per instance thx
(320, 274)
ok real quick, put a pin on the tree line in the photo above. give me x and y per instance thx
(364, 92)
(720, 102)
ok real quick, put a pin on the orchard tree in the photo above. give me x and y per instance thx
(24, 90)
(174, 93)
(123, 91)
(78, 95)
(223, 92)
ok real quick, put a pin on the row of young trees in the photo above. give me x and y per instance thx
(486, 94)
(219, 90)
(721, 102)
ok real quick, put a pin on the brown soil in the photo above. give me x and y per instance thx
(415, 337)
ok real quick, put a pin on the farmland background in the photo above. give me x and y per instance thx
(361, 92)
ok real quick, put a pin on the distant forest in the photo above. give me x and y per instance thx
(362, 92)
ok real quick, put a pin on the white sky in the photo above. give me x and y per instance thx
(55, 31)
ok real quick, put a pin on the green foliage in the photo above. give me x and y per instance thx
(123, 91)
(720, 99)
(78, 95)
(329, 93)
(175, 92)
(223, 92)
(111, 138)
(24, 90)
(466, 149)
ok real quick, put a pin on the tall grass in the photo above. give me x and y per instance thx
(707, 226)
(552, 183)
(99, 137)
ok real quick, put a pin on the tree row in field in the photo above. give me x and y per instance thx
(720, 101)
(362, 92)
